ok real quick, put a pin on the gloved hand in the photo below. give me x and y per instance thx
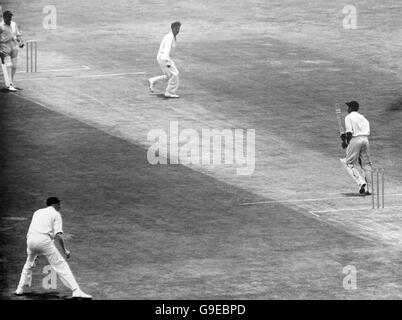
(343, 136)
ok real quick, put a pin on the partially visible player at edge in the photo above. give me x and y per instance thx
(166, 63)
(46, 227)
(355, 141)
(10, 40)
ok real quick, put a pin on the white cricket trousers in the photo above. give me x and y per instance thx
(358, 162)
(171, 73)
(43, 245)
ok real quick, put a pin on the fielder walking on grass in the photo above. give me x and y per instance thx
(355, 141)
(10, 40)
(166, 63)
(47, 226)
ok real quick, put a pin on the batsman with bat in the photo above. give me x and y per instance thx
(10, 40)
(355, 140)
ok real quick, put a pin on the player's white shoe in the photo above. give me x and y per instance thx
(78, 294)
(11, 88)
(171, 95)
(151, 85)
(19, 291)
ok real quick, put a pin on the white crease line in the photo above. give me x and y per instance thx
(111, 74)
(351, 209)
(58, 70)
(294, 200)
(83, 77)
(337, 210)
(15, 218)
(305, 70)
(315, 199)
(314, 214)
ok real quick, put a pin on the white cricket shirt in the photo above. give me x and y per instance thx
(167, 47)
(8, 33)
(46, 221)
(357, 124)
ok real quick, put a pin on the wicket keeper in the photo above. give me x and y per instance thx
(47, 227)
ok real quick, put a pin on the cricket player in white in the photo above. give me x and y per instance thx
(164, 58)
(355, 140)
(10, 40)
(47, 226)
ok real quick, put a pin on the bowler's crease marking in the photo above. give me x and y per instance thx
(61, 70)
(308, 200)
(85, 76)
(352, 209)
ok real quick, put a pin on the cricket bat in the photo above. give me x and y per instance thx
(5, 75)
(338, 112)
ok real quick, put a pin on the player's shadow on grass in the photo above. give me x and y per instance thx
(353, 194)
(396, 105)
(5, 90)
(44, 296)
(161, 96)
